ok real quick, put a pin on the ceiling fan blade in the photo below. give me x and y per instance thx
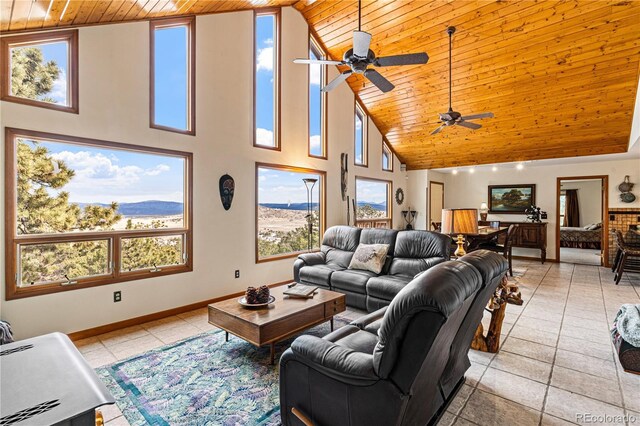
(381, 83)
(317, 61)
(361, 42)
(336, 81)
(468, 125)
(478, 116)
(408, 59)
(438, 130)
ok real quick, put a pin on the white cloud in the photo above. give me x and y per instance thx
(89, 166)
(269, 42)
(99, 179)
(264, 137)
(262, 178)
(314, 74)
(265, 59)
(155, 171)
(314, 143)
(59, 90)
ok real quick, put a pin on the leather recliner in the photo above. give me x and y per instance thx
(415, 252)
(492, 268)
(338, 245)
(410, 253)
(384, 368)
(353, 282)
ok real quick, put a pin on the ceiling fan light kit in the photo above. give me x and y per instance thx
(360, 57)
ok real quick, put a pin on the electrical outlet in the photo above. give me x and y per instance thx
(117, 296)
(237, 273)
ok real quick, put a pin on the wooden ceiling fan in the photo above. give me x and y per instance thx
(360, 57)
(454, 118)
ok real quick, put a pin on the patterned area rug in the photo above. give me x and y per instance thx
(202, 380)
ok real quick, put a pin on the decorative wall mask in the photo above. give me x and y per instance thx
(227, 188)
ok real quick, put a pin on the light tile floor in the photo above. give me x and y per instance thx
(556, 362)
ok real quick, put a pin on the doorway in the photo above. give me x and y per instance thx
(436, 204)
(581, 221)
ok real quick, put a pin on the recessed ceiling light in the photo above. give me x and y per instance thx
(494, 169)
(520, 166)
(472, 170)
(455, 172)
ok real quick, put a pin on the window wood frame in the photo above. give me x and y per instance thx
(190, 23)
(276, 77)
(323, 206)
(387, 149)
(365, 135)
(324, 98)
(13, 240)
(389, 183)
(68, 36)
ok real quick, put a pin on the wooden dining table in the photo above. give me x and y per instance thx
(485, 234)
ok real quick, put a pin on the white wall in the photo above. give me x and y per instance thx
(589, 199)
(469, 190)
(417, 189)
(114, 106)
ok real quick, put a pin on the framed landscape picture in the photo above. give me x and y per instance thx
(511, 199)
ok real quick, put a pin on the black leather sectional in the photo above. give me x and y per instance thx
(410, 254)
(400, 365)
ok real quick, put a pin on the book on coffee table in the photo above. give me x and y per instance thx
(300, 290)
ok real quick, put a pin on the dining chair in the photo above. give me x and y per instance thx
(627, 257)
(437, 226)
(506, 248)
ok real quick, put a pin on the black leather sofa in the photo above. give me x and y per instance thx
(400, 365)
(410, 253)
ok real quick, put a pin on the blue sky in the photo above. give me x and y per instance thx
(283, 186)
(315, 104)
(106, 175)
(171, 77)
(371, 191)
(358, 139)
(56, 52)
(265, 25)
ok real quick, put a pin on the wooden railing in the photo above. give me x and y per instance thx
(373, 223)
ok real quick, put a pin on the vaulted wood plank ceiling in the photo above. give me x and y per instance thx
(560, 76)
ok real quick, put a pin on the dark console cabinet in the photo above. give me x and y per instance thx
(529, 235)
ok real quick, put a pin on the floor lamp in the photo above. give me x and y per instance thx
(309, 183)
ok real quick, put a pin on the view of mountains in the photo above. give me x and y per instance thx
(303, 206)
(145, 208)
(168, 208)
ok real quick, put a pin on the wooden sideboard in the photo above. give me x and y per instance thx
(529, 235)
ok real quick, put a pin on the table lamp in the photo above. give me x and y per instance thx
(459, 221)
(484, 209)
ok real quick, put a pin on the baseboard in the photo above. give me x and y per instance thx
(534, 258)
(90, 332)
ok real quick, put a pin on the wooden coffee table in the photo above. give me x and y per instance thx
(280, 320)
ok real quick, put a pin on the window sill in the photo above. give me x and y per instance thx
(20, 293)
(73, 109)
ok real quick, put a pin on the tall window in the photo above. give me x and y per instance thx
(285, 209)
(317, 103)
(41, 70)
(387, 157)
(563, 204)
(63, 234)
(266, 80)
(373, 201)
(360, 137)
(173, 79)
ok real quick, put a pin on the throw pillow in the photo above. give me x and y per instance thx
(594, 226)
(369, 257)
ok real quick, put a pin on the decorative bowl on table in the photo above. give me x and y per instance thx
(257, 297)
